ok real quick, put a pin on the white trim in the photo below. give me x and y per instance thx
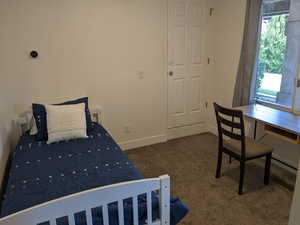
(212, 129)
(170, 134)
(141, 142)
(186, 131)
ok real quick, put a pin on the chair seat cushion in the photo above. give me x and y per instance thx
(253, 148)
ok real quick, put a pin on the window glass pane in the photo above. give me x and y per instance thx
(273, 81)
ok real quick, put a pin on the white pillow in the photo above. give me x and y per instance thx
(66, 122)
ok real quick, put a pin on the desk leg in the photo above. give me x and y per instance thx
(255, 128)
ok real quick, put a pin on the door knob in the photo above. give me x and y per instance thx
(170, 73)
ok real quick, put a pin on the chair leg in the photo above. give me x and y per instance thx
(242, 173)
(219, 165)
(268, 169)
(230, 159)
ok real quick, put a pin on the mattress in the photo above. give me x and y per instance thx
(40, 172)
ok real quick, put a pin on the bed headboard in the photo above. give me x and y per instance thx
(24, 121)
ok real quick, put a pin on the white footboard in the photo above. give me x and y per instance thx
(99, 197)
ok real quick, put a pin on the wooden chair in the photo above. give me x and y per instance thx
(231, 124)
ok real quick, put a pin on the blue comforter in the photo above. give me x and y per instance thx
(41, 172)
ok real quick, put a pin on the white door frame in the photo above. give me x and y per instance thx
(179, 131)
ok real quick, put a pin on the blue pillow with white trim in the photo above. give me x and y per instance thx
(40, 116)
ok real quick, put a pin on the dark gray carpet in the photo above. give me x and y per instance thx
(191, 162)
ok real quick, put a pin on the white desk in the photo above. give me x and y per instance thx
(276, 122)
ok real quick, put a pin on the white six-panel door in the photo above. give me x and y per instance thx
(186, 29)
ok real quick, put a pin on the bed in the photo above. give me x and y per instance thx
(83, 182)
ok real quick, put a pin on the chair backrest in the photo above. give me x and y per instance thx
(234, 122)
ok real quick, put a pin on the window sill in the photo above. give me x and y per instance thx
(274, 105)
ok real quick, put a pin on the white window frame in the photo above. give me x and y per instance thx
(254, 89)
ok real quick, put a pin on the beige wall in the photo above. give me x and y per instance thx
(228, 31)
(94, 48)
(97, 48)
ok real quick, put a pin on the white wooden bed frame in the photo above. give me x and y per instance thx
(98, 197)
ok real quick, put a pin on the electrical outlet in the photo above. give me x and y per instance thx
(127, 129)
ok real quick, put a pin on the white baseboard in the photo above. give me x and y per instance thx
(141, 142)
(212, 129)
(186, 131)
(171, 134)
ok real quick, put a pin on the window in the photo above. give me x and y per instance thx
(274, 82)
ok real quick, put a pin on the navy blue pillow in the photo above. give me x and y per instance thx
(40, 116)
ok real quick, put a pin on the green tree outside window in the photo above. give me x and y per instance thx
(272, 47)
